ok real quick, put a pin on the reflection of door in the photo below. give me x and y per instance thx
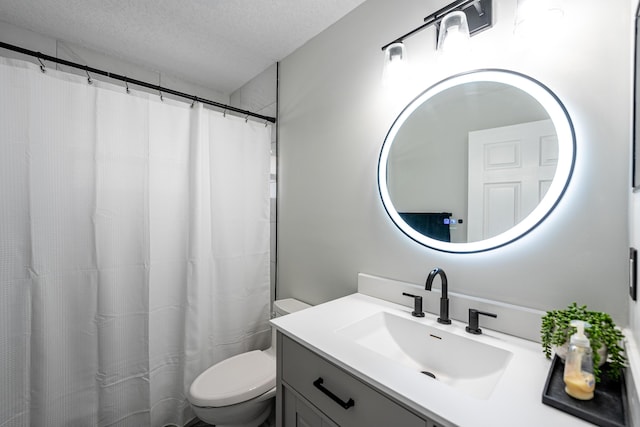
(510, 170)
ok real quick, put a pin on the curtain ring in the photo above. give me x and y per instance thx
(126, 84)
(224, 113)
(160, 92)
(42, 67)
(195, 99)
(86, 70)
(266, 123)
(246, 119)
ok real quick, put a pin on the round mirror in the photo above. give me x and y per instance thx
(476, 161)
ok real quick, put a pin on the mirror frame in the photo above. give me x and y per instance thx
(564, 170)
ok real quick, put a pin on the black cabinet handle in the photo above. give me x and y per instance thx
(346, 405)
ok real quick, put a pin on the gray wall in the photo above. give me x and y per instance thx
(635, 242)
(334, 115)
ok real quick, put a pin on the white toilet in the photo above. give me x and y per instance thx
(239, 391)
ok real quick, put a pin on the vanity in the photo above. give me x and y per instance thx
(363, 361)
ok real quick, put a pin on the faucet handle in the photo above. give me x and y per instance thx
(417, 305)
(473, 327)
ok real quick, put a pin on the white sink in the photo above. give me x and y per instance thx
(468, 365)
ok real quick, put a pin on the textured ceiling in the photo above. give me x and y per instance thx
(220, 44)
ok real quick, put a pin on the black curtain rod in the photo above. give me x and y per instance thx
(128, 81)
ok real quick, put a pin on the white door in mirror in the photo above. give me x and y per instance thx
(510, 171)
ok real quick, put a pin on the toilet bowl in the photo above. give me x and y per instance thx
(239, 391)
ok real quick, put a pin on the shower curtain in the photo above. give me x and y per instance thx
(134, 249)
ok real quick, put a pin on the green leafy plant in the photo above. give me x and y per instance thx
(556, 330)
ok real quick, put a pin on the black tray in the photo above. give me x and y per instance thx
(608, 408)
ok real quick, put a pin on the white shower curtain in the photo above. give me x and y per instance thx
(134, 249)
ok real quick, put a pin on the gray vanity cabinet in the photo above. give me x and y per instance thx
(298, 412)
(314, 392)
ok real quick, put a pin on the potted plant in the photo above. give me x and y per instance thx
(556, 330)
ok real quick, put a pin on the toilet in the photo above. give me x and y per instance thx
(239, 391)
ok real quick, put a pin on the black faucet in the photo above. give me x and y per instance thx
(444, 298)
(474, 327)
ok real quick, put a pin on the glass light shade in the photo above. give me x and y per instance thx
(454, 33)
(395, 64)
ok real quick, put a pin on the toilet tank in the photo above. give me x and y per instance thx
(282, 307)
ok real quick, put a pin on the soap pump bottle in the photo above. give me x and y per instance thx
(578, 368)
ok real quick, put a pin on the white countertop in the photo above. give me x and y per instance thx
(515, 401)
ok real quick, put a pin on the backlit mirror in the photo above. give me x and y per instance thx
(476, 161)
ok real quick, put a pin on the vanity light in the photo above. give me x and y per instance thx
(395, 64)
(454, 33)
(451, 20)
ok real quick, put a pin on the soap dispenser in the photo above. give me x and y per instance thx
(578, 368)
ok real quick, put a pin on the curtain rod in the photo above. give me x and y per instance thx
(128, 81)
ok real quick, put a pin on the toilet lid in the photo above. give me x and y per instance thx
(234, 380)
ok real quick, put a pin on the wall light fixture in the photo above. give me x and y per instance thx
(455, 23)
(478, 14)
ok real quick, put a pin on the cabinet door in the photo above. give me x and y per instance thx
(340, 397)
(298, 413)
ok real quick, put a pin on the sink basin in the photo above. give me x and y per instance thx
(470, 366)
